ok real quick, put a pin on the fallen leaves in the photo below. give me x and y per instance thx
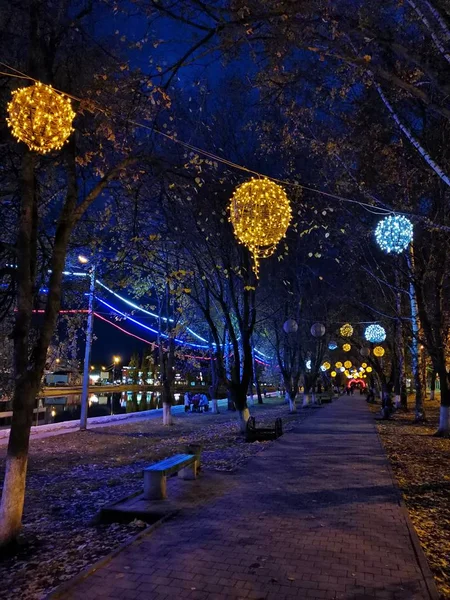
(421, 466)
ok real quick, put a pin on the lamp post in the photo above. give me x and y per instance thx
(116, 361)
(87, 352)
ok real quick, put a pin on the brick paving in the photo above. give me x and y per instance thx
(314, 516)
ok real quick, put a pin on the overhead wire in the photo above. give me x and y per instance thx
(174, 139)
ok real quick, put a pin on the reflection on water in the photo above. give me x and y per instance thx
(56, 409)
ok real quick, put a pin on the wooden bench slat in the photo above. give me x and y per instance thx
(174, 462)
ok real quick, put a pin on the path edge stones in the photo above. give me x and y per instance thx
(418, 550)
(59, 592)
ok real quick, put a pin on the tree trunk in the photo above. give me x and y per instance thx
(13, 494)
(215, 406)
(432, 385)
(306, 399)
(444, 415)
(243, 416)
(291, 397)
(167, 414)
(239, 398)
(415, 363)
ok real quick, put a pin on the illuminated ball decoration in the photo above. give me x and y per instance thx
(364, 365)
(342, 369)
(394, 234)
(326, 365)
(365, 352)
(346, 347)
(260, 213)
(318, 330)
(378, 351)
(332, 346)
(40, 117)
(348, 364)
(338, 365)
(308, 364)
(375, 334)
(290, 326)
(346, 330)
(333, 373)
(369, 369)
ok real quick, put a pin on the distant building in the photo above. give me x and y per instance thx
(62, 377)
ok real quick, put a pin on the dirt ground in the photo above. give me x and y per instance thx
(73, 475)
(421, 464)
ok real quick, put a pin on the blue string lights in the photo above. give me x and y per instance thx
(394, 234)
(375, 334)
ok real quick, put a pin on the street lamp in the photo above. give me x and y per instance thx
(116, 361)
(87, 354)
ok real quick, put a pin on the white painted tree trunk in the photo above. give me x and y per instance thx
(430, 162)
(306, 400)
(243, 416)
(398, 401)
(215, 407)
(167, 414)
(12, 498)
(436, 14)
(313, 399)
(292, 404)
(444, 421)
(250, 400)
(437, 42)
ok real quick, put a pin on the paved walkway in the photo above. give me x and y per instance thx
(314, 516)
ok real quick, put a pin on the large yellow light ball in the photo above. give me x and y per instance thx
(346, 347)
(40, 117)
(326, 365)
(346, 330)
(260, 213)
(347, 364)
(338, 365)
(378, 351)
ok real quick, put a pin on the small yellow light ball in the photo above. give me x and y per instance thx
(364, 365)
(40, 117)
(369, 369)
(378, 351)
(326, 365)
(346, 347)
(333, 373)
(338, 365)
(346, 330)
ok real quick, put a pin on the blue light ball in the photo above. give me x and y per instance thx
(394, 234)
(375, 334)
(332, 346)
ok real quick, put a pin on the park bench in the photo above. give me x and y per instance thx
(155, 476)
(324, 397)
(261, 434)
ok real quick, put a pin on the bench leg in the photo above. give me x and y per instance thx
(155, 486)
(189, 472)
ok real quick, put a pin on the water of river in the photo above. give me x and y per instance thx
(56, 409)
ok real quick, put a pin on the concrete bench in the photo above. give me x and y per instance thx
(155, 476)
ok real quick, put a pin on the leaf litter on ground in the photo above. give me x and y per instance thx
(421, 466)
